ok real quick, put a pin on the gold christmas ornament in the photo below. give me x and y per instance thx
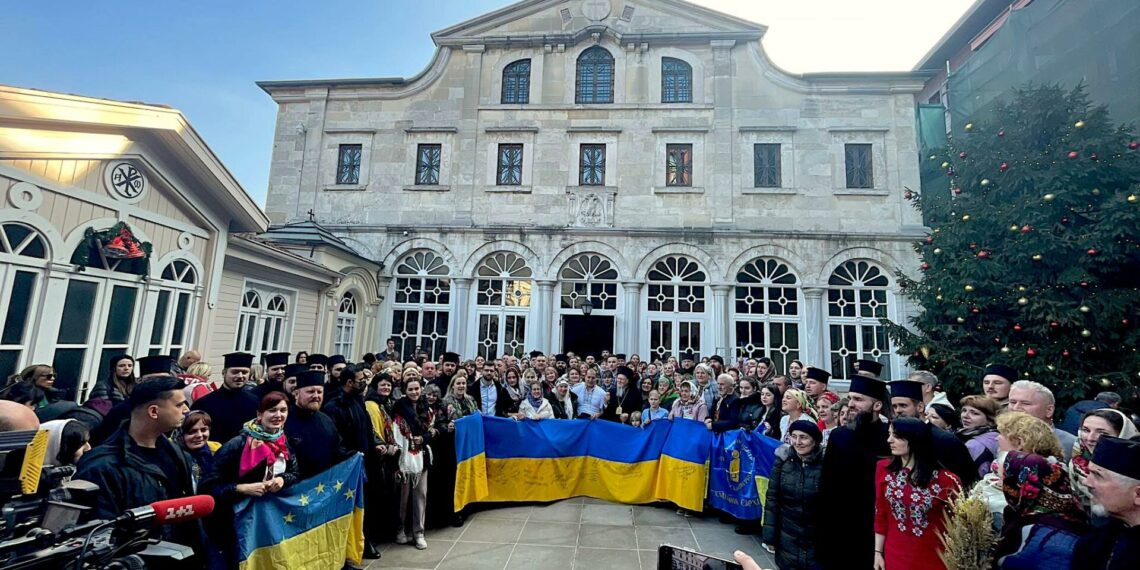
(1083, 308)
(985, 182)
(1021, 288)
(1014, 228)
(1051, 368)
(1005, 350)
(966, 218)
(1037, 257)
(937, 250)
(945, 165)
(1079, 124)
(1049, 197)
(1096, 191)
(1023, 301)
(960, 320)
(969, 288)
(938, 298)
(969, 126)
(925, 350)
(1132, 199)
(1086, 333)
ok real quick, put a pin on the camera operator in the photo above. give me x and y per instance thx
(17, 417)
(138, 465)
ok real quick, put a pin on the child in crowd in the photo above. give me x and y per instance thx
(635, 419)
(655, 411)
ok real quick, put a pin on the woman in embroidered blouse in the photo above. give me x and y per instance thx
(912, 497)
(688, 405)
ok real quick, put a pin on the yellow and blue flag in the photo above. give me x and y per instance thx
(508, 460)
(741, 468)
(316, 523)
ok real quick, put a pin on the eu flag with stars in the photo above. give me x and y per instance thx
(315, 523)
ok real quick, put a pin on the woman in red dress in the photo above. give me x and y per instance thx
(912, 496)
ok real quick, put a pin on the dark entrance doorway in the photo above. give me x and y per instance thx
(583, 335)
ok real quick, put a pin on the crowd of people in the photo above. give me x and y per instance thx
(867, 480)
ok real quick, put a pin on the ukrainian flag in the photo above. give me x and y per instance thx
(550, 460)
(316, 523)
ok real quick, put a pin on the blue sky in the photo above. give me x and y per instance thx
(203, 56)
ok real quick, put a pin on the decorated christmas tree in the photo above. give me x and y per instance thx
(1034, 260)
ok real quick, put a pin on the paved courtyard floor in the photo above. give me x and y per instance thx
(574, 533)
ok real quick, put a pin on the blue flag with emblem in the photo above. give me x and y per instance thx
(315, 523)
(741, 465)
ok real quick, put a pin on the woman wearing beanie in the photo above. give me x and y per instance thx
(792, 505)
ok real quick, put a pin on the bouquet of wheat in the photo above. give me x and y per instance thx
(969, 540)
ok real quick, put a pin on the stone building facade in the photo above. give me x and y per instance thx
(645, 156)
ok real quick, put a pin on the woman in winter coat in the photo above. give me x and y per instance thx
(116, 387)
(750, 411)
(792, 507)
(772, 399)
(979, 430)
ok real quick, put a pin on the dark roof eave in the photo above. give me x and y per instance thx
(973, 20)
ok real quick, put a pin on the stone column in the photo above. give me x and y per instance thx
(814, 349)
(542, 323)
(721, 318)
(629, 325)
(457, 340)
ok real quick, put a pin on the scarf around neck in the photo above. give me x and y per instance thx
(535, 403)
(261, 445)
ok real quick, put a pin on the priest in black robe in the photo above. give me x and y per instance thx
(231, 405)
(312, 434)
(276, 364)
(1114, 479)
(848, 479)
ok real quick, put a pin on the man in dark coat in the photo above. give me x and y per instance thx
(231, 405)
(725, 415)
(138, 465)
(488, 394)
(446, 371)
(625, 398)
(906, 402)
(312, 434)
(1114, 479)
(149, 368)
(848, 479)
(352, 421)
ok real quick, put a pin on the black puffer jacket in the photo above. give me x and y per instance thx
(792, 509)
(750, 412)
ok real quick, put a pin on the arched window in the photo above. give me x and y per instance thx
(345, 326)
(421, 304)
(766, 312)
(595, 78)
(856, 300)
(589, 276)
(676, 306)
(23, 255)
(263, 320)
(174, 309)
(516, 82)
(502, 303)
(676, 81)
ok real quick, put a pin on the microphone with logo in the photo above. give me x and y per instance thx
(171, 511)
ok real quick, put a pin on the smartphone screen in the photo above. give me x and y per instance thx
(676, 558)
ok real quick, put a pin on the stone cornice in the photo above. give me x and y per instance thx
(905, 234)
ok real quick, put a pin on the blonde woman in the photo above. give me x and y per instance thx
(795, 406)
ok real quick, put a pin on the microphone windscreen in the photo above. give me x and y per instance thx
(182, 509)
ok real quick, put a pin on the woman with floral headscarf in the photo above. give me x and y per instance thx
(795, 404)
(1043, 518)
(1094, 424)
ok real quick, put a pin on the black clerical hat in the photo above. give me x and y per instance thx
(158, 364)
(818, 374)
(688, 355)
(1007, 372)
(871, 387)
(318, 359)
(310, 378)
(869, 366)
(292, 370)
(1121, 456)
(717, 358)
(276, 359)
(452, 357)
(561, 358)
(337, 359)
(627, 372)
(907, 389)
(238, 360)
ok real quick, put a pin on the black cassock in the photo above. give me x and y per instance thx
(1112, 547)
(848, 484)
(229, 410)
(313, 437)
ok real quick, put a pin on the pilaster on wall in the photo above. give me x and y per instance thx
(720, 180)
(629, 338)
(544, 324)
(722, 317)
(814, 352)
(461, 290)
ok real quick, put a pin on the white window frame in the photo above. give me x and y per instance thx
(514, 279)
(344, 339)
(264, 315)
(422, 268)
(885, 354)
(676, 318)
(176, 290)
(768, 268)
(11, 263)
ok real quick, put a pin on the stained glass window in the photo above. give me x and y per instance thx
(679, 165)
(510, 165)
(857, 160)
(766, 165)
(428, 158)
(592, 165)
(348, 164)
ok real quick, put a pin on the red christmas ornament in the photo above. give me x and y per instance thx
(1085, 284)
(1092, 251)
(1004, 166)
(962, 154)
(983, 254)
(1001, 133)
(1017, 327)
(1065, 220)
(975, 310)
(1124, 322)
(925, 266)
(1029, 352)
(1066, 354)
(1026, 228)
(1133, 145)
(1093, 156)
(908, 195)
(997, 340)
(957, 191)
(973, 246)
(1054, 325)
(1073, 154)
